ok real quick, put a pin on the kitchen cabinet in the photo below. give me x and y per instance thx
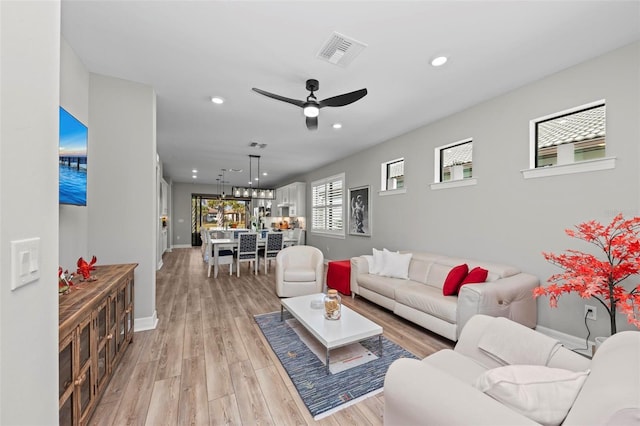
(294, 197)
(95, 328)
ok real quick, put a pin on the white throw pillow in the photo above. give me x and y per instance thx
(543, 394)
(369, 259)
(378, 262)
(396, 265)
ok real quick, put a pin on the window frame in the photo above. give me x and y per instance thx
(533, 171)
(327, 207)
(438, 170)
(384, 167)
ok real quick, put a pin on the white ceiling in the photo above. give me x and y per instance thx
(192, 50)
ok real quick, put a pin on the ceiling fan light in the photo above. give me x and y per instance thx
(311, 110)
(439, 61)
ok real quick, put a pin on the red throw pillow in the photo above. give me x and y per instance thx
(454, 279)
(476, 275)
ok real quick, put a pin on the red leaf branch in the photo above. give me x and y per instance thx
(596, 278)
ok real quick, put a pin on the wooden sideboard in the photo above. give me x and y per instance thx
(96, 327)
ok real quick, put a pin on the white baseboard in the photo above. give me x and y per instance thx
(181, 246)
(146, 323)
(568, 341)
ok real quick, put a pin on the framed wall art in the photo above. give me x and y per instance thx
(359, 211)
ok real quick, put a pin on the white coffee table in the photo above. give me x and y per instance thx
(350, 328)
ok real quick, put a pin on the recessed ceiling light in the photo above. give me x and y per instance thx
(264, 173)
(337, 126)
(194, 176)
(194, 171)
(439, 61)
(217, 100)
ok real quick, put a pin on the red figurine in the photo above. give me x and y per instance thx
(85, 268)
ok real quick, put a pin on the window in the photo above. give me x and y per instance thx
(454, 161)
(327, 205)
(392, 175)
(570, 136)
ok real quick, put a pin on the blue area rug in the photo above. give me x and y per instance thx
(323, 392)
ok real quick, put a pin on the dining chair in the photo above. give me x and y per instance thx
(204, 248)
(247, 250)
(238, 232)
(225, 256)
(271, 248)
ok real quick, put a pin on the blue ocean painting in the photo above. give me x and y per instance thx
(73, 160)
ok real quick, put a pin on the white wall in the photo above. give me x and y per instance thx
(29, 70)
(74, 98)
(505, 218)
(121, 191)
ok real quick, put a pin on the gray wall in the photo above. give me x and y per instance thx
(29, 66)
(123, 219)
(505, 218)
(74, 97)
(121, 199)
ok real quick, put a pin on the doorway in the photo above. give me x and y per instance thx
(214, 212)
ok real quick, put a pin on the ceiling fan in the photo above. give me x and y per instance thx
(311, 107)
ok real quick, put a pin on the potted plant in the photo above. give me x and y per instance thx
(601, 279)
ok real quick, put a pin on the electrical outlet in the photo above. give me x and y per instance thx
(590, 312)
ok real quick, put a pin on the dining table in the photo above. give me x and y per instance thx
(229, 243)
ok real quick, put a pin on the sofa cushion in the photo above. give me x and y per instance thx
(437, 275)
(454, 279)
(540, 393)
(427, 299)
(299, 275)
(396, 265)
(420, 265)
(384, 286)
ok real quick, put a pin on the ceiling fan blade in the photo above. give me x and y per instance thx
(345, 99)
(312, 123)
(278, 97)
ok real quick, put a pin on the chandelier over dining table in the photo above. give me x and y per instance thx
(254, 189)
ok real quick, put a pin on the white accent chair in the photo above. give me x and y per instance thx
(299, 271)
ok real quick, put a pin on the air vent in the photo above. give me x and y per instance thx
(340, 50)
(258, 145)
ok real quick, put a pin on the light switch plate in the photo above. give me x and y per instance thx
(25, 262)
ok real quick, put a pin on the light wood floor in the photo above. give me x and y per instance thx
(208, 363)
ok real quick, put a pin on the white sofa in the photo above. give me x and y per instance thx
(506, 293)
(441, 389)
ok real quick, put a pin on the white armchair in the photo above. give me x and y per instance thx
(299, 271)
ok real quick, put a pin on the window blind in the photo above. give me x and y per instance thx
(327, 205)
